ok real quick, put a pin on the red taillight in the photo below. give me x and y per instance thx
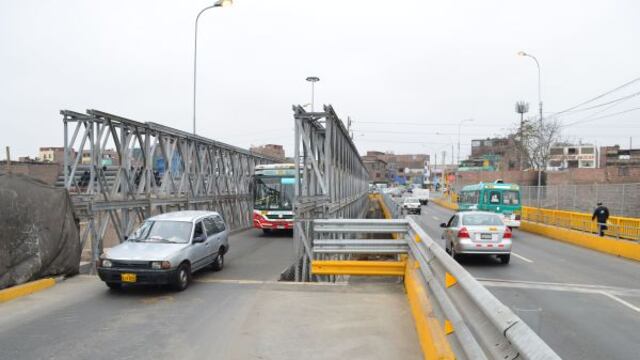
(463, 233)
(507, 233)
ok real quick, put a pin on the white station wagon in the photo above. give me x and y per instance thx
(167, 249)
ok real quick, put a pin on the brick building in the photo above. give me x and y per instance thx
(51, 154)
(495, 153)
(614, 156)
(377, 169)
(569, 156)
(272, 150)
(404, 167)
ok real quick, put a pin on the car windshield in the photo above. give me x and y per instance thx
(411, 200)
(481, 219)
(163, 232)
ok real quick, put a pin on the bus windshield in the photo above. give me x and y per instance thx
(273, 193)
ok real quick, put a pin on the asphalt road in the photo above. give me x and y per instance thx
(238, 313)
(584, 304)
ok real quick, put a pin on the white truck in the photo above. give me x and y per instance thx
(422, 195)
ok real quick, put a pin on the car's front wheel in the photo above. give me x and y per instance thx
(218, 263)
(183, 276)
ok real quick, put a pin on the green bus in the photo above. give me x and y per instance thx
(496, 197)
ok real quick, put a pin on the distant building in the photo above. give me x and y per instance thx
(569, 156)
(614, 156)
(494, 153)
(110, 157)
(51, 154)
(403, 168)
(272, 150)
(377, 169)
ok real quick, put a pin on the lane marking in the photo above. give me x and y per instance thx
(576, 288)
(522, 257)
(623, 302)
(435, 218)
(266, 282)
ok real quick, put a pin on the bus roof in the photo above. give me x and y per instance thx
(498, 186)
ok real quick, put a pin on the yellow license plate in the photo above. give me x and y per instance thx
(129, 278)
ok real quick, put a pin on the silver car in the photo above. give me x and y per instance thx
(477, 232)
(167, 249)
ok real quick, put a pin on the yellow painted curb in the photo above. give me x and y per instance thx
(433, 340)
(25, 289)
(623, 248)
(446, 204)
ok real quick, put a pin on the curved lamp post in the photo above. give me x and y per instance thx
(219, 3)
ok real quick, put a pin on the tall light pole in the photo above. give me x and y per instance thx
(219, 3)
(313, 80)
(522, 53)
(460, 127)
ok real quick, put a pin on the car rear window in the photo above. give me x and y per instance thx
(481, 219)
(411, 200)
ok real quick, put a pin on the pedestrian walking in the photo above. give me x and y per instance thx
(602, 214)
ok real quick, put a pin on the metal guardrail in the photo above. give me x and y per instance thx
(618, 227)
(482, 327)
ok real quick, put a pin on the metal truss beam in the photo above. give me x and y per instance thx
(158, 169)
(332, 182)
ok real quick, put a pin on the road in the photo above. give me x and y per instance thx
(238, 313)
(584, 304)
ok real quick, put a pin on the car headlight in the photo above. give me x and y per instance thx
(157, 265)
(106, 263)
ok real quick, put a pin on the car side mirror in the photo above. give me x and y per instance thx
(443, 225)
(199, 239)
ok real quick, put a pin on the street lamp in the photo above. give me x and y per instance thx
(459, 127)
(219, 3)
(522, 53)
(313, 80)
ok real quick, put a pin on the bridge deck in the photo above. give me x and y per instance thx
(216, 317)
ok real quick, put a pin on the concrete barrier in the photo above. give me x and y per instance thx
(622, 248)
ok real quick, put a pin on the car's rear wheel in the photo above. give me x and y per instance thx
(266, 231)
(218, 263)
(114, 286)
(183, 276)
(504, 258)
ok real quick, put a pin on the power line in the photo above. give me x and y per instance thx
(614, 101)
(600, 117)
(600, 96)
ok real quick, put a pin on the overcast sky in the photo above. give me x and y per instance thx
(405, 71)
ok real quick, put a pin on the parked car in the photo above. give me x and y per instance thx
(167, 249)
(411, 205)
(478, 233)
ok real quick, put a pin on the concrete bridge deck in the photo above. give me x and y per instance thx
(238, 313)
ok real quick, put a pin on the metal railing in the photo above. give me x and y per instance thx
(621, 199)
(618, 227)
(196, 173)
(483, 327)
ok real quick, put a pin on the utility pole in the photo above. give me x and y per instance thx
(8, 160)
(521, 108)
